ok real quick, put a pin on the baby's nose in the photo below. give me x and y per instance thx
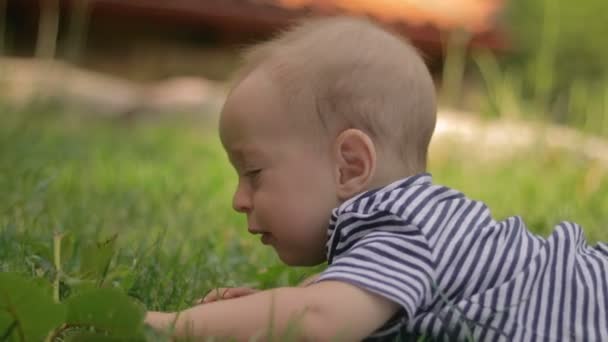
(241, 202)
(240, 207)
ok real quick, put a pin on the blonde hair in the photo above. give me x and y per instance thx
(354, 74)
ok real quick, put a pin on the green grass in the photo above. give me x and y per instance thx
(165, 189)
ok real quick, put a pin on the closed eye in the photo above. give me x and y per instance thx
(253, 175)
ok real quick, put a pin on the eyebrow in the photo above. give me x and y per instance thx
(241, 157)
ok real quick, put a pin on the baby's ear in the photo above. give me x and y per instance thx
(355, 156)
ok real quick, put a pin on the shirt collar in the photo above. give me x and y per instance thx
(418, 179)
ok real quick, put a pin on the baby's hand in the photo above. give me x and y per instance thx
(225, 293)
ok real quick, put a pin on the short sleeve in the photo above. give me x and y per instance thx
(392, 260)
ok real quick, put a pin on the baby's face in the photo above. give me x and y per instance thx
(285, 180)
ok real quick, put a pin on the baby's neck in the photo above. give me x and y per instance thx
(391, 168)
(386, 176)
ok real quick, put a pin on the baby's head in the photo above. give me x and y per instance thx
(327, 110)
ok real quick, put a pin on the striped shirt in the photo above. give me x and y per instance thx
(458, 274)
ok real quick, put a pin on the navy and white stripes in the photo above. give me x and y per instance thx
(458, 274)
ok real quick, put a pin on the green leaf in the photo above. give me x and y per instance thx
(87, 336)
(7, 326)
(5, 319)
(107, 310)
(96, 257)
(29, 304)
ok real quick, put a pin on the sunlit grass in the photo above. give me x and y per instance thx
(165, 189)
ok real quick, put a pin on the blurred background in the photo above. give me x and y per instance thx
(108, 109)
(521, 59)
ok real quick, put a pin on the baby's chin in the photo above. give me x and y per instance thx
(299, 260)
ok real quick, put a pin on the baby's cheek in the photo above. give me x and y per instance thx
(274, 210)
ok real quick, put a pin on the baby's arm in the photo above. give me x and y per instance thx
(321, 311)
(222, 293)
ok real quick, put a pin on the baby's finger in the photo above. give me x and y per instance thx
(225, 293)
(214, 295)
(238, 292)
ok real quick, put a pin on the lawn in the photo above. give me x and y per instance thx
(110, 218)
(164, 189)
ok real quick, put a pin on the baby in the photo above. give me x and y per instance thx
(328, 127)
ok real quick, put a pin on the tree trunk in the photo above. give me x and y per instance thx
(48, 29)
